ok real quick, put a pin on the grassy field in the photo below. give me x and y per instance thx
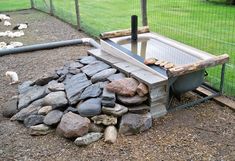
(204, 25)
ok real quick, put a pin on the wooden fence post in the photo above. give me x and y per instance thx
(144, 12)
(32, 3)
(77, 14)
(51, 8)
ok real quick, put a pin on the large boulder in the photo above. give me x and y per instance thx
(73, 125)
(135, 100)
(33, 120)
(32, 94)
(90, 107)
(124, 87)
(55, 99)
(103, 75)
(88, 139)
(135, 123)
(94, 68)
(75, 86)
(10, 108)
(53, 117)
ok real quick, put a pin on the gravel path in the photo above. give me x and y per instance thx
(204, 132)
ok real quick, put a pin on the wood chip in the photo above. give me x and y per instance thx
(163, 63)
(150, 61)
(169, 66)
(159, 62)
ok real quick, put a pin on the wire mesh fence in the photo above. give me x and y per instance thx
(208, 25)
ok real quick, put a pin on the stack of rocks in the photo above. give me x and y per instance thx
(84, 100)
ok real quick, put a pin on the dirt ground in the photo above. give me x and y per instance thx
(203, 132)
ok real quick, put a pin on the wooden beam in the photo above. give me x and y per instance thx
(222, 100)
(125, 32)
(32, 3)
(185, 69)
(51, 8)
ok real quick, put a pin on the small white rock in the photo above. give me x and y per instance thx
(110, 134)
(45, 110)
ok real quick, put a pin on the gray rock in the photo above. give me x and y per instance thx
(71, 109)
(36, 92)
(105, 120)
(45, 110)
(94, 68)
(90, 92)
(108, 98)
(55, 99)
(25, 86)
(74, 71)
(117, 111)
(88, 139)
(109, 103)
(135, 123)
(74, 65)
(61, 78)
(62, 71)
(139, 109)
(106, 95)
(90, 107)
(25, 112)
(110, 134)
(115, 77)
(135, 100)
(33, 120)
(102, 84)
(47, 77)
(73, 125)
(88, 60)
(103, 75)
(54, 86)
(40, 129)
(67, 78)
(75, 86)
(10, 108)
(96, 128)
(53, 117)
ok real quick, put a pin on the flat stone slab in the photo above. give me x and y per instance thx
(75, 86)
(94, 68)
(91, 91)
(34, 93)
(103, 75)
(88, 60)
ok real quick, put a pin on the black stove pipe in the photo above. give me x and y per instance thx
(134, 28)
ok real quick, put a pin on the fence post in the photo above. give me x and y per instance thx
(32, 3)
(144, 12)
(77, 14)
(51, 8)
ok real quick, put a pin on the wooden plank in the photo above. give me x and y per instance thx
(125, 32)
(32, 3)
(149, 78)
(51, 8)
(222, 100)
(185, 69)
(126, 67)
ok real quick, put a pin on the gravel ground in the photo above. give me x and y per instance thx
(204, 132)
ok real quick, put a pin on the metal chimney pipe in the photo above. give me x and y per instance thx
(134, 28)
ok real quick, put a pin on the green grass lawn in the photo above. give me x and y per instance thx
(9, 5)
(204, 25)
